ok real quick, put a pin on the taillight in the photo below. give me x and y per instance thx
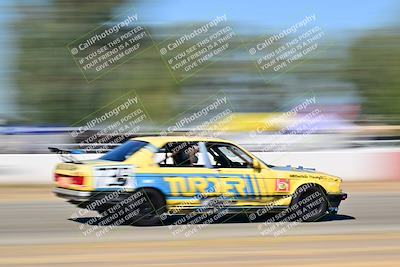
(78, 180)
(69, 179)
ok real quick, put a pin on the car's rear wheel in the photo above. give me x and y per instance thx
(309, 203)
(150, 206)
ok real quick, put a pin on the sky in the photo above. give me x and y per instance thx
(7, 55)
(333, 15)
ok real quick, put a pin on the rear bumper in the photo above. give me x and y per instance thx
(85, 198)
(334, 201)
(72, 194)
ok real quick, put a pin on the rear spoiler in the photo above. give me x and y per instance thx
(66, 154)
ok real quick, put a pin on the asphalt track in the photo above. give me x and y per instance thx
(40, 232)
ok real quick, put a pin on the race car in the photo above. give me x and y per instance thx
(147, 179)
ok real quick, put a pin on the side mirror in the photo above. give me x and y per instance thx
(257, 165)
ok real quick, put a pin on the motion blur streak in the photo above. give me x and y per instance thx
(371, 238)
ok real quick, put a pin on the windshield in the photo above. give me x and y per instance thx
(268, 165)
(124, 151)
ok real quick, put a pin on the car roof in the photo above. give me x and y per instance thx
(160, 140)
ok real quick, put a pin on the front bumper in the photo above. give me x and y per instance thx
(334, 201)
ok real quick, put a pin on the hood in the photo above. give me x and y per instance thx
(301, 172)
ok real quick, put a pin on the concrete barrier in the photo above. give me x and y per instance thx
(30, 168)
(350, 164)
(364, 164)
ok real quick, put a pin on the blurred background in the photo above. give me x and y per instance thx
(353, 75)
(336, 109)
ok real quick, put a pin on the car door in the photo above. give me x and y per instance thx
(186, 173)
(252, 187)
(237, 174)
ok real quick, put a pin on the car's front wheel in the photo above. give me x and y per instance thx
(309, 203)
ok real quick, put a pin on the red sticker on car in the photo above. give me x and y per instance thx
(282, 185)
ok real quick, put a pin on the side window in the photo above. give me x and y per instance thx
(228, 156)
(180, 154)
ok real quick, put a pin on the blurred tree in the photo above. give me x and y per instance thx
(51, 86)
(375, 68)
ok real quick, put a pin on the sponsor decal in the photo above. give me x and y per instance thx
(212, 186)
(282, 185)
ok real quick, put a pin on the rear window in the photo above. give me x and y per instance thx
(124, 151)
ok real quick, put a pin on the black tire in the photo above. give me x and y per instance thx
(309, 203)
(150, 208)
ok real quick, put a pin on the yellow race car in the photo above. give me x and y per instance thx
(148, 178)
